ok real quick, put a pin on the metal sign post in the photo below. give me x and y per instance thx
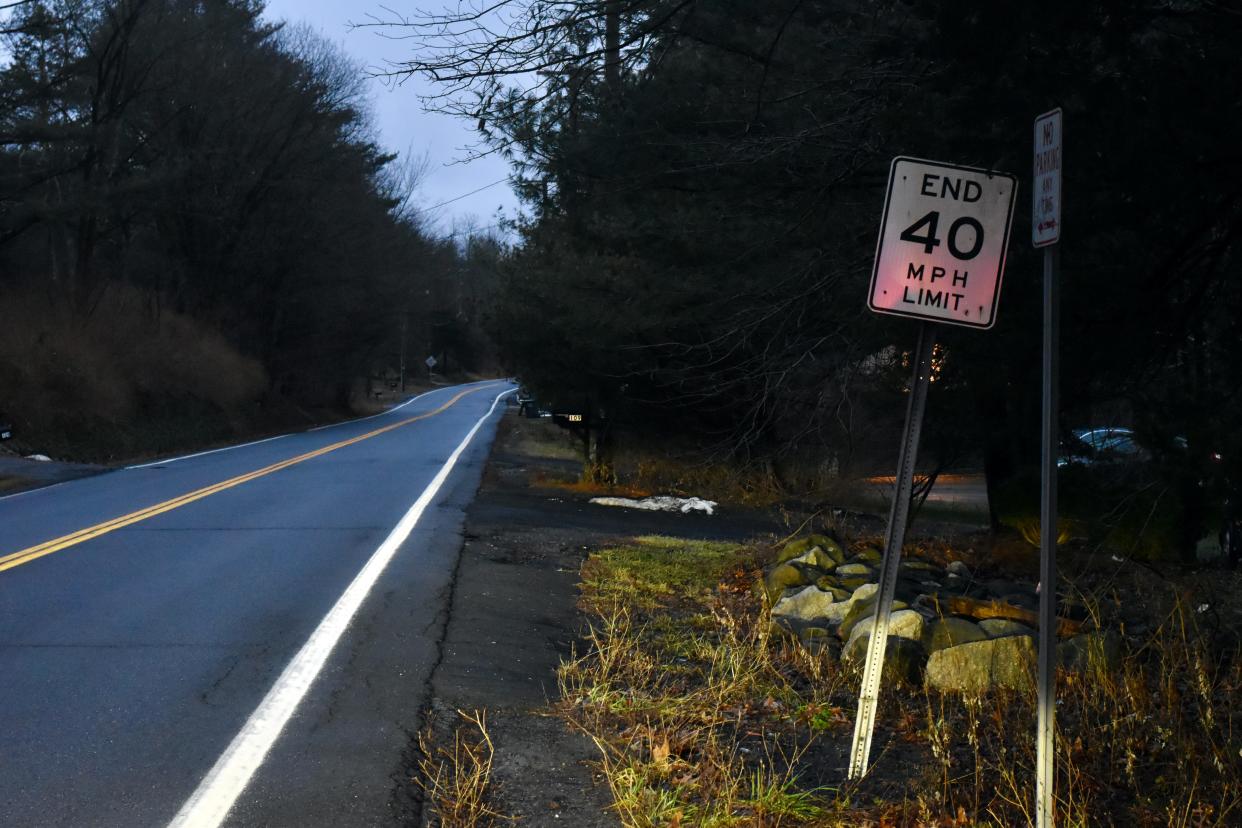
(940, 258)
(1046, 233)
(898, 514)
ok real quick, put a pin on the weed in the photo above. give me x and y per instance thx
(704, 717)
(456, 781)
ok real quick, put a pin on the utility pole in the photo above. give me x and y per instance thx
(612, 48)
(405, 318)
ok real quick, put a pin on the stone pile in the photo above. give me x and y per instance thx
(949, 630)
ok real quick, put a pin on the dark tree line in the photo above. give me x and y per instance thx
(222, 168)
(706, 176)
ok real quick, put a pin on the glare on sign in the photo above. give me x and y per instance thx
(942, 243)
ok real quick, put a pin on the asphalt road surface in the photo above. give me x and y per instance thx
(242, 637)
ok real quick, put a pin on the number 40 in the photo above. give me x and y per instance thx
(930, 242)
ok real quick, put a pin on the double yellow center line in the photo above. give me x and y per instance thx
(82, 535)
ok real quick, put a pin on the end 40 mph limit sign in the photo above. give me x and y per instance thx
(940, 258)
(941, 250)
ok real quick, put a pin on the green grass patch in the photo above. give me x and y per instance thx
(655, 571)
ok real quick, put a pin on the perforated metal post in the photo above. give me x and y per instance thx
(1045, 748)
(899, 513)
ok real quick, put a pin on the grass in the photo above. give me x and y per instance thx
(704, 716)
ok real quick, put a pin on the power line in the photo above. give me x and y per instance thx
(463, 195)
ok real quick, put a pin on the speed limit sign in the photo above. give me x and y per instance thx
(943, 238)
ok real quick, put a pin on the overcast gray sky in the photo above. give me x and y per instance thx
(403, 125)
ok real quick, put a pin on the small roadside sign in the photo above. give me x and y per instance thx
(943, 237)
(430, 362)
(1046, 209)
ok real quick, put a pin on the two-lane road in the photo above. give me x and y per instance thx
(244, 632)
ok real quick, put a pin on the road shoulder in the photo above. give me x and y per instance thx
(515, 617)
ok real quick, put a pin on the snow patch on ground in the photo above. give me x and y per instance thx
(662, 503)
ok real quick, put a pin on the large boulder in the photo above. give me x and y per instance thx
(904, 659)
(860, 609)
(979, 666)
(780, 578)
(951, 632)
(905, 623)
(809, 604)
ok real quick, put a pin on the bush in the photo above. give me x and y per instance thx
(1129, 510)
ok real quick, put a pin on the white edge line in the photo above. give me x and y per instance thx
(204, 453)
(40, 488)
(210, 803)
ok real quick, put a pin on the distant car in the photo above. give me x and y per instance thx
(1092, 446)
(1109, 445)
(6, 431)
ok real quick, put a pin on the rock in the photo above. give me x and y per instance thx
(919, 566)
(862, 608)
(958, 569)
(1001, 627)
(852, 569)
(962, 605)
(807, 604)
(1091, 653)
(864, 591)
(951, 632)
(981, 665)
(782, 628)
(904, 623)
(779, 578)
(904, 659)
(817, 640)
(827, 547)
(870, 555)
(855, 581)
(830, 584)
(909, 590)
(1021, 599)
(814, 557)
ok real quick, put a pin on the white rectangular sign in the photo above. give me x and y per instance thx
(1046, 210)
(943, 238)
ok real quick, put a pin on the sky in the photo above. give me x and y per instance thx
(402, 124)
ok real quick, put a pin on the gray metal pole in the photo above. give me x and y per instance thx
(899, 513)
(1045, 753)
(405, 317)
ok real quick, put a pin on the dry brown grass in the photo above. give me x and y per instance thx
(456, 781)
(97, 387)
(704, 717)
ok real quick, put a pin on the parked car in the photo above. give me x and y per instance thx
(1093, 446)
